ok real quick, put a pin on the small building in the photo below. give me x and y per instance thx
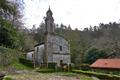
(106, 64)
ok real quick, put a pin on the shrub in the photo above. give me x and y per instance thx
(51, 65)
(26, 62)
(19, 66)
(99, 75)
(8, 56)
(84, 67)
(93, 54)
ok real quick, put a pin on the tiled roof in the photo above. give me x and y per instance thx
(106, 64)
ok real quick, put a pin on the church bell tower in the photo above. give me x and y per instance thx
(49, 30)
(49, 22)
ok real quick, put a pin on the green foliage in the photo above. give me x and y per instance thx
(25, 62)
(19, 66)
(7, 7)
(26, 42)
(75, 75)
(93, 54)
(84, 77)
(84, 67)
(7, 78)
(51, 65)
(69, 74)
(45, 70)
(8, 56)
(99, 75)
(8, 35)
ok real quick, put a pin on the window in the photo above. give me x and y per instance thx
(60, 48)
(37, 49)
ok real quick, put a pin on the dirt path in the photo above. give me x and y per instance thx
(31, 75)
(40, 76)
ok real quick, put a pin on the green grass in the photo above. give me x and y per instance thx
(45, 70)
(84, 77)
(70, 74)
(20, 66)
(7, 78)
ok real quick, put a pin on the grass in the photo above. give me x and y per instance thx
(65, 74)
(19, 66)
(7, 78)
(70, 74)
(84, 77)
(45, 70)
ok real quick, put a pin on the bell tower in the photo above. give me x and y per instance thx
(49, 22)
(49, 30)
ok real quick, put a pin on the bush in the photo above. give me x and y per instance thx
(99, 75)
(93, 54)
(8, 56)
(19, 66)
(26, 62)
(51, 65)
(84, 67)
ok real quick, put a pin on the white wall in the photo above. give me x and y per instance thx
(39, 53)
(30, 55)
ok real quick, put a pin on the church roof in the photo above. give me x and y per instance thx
(106, 64)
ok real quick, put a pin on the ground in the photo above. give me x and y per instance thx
(31, 75)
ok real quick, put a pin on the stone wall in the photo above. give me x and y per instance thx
(58, 49)
(57, 42)
(58, 57)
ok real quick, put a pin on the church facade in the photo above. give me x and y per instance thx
(55, 48)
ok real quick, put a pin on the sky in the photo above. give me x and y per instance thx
(78, 13)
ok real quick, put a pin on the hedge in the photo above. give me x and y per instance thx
(99, 75)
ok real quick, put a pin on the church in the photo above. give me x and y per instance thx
(54, 49)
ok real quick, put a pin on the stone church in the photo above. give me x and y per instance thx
(54, 49)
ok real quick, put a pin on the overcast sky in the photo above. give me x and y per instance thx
(77, 13)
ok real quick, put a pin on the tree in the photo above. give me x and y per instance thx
(8, 35)
(18, 6)
(93, 54)
(69, 27)
(6, 7)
